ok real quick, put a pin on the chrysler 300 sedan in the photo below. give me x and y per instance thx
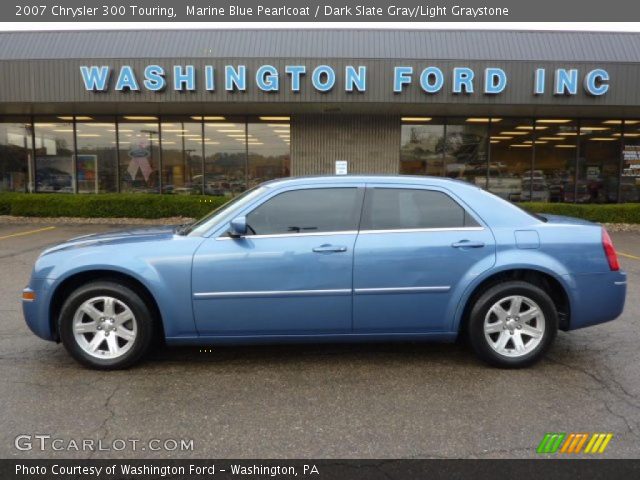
(328, 259)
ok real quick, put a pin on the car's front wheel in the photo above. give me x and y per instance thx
(105, 325)
(512, 324)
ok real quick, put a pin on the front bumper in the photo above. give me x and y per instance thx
(37, 312)
(597, 298)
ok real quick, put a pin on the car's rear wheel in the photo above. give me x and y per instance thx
(105, 325)
(512, 324)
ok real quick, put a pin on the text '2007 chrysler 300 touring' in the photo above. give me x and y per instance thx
(327, 259)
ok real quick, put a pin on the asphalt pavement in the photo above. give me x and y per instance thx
(328, 401)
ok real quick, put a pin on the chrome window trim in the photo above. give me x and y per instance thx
(361, 232)
(285, 235)
(273, 293)
(443, 288)
(418, 230)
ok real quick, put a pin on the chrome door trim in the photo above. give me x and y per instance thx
(272, 293)
(369, 291)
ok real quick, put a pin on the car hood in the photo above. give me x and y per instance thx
(134, 235)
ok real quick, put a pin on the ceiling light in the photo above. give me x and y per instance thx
(564, 146)
(500, 138)
(595, 129)
(603, 139)
(514, 133)
(63, 130)
(416, 119)
(77, 118)
(274, 119)
(88, 135)
(136, 117)
(98, 125)
(168, 143)
(209, 119)
(278, 125)
(554, 139)
(281, 131)
(231, 131)
(174, 130)
(552, 120)
(494, 141)
(629, 134)
(482, 120)
(189, 135)
(221, 124)
(529, 127)
(520, 145)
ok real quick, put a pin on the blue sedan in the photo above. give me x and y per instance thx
(327, 259)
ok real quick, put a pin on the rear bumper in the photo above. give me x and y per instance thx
(596, 298)
(36, 312)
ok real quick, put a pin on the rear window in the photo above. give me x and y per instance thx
(404, 208)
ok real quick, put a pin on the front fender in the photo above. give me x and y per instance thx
(161, 268)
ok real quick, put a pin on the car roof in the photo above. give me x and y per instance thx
(395, 179)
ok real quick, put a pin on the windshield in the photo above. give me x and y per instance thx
(205, 223)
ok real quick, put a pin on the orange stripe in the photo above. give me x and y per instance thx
(567, 442)
(584, 439)
(574, 443)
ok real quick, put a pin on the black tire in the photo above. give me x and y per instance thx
(480, 308)
(142, 316)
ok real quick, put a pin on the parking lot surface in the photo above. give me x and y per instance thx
(329, 401)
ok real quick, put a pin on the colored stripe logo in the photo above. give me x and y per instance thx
(574, 443)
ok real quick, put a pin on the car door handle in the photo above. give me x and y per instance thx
(326, 248)
(467, 244)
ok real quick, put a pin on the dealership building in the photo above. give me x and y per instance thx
(542, 116)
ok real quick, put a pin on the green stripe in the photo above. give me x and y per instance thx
(551, 442)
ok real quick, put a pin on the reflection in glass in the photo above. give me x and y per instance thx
(599, 161)
(553, 176)
(630, 180)
(54, 155)
(181, 156)
(511, 149)
(466, 151)
(268, 147)
(421, 149)
(225, 157)
(15, 154)
(97, 158)
(139, 155)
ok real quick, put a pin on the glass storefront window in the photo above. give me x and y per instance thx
(181, 155)
(15, 154)
(554, 173)
(466, 149)
(138, 140)
(599, 161)
(97, 157)
(54, 155)
(630, 180)
(511, 155)
(268, 146)
(422, 146)
(225, 156)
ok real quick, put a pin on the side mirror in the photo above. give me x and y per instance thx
(238, 227)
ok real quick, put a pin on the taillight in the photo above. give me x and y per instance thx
(610, 251)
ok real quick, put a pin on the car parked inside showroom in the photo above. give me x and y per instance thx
(332, 259)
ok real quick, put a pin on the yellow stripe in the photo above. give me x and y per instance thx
(605, 443)
(591, 442)
(584, 439)
(596, 445)
(628, 255)
(20, 234)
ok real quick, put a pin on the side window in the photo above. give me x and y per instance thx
(307, 211)
(404, 208)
